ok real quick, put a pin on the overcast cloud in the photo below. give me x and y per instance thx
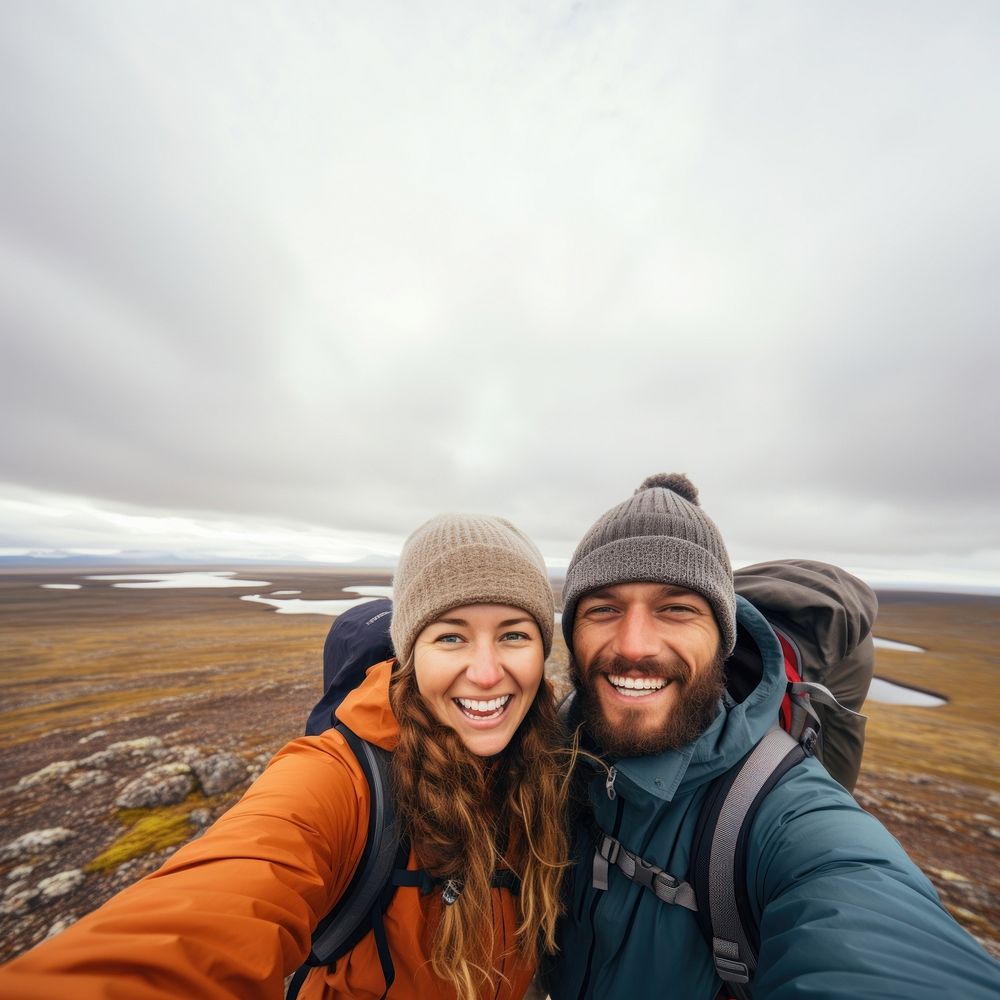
(300, 276)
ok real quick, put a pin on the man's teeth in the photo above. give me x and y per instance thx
(493, 705)
(636, 687)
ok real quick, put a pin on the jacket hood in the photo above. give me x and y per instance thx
(738, 725)
(366, 709)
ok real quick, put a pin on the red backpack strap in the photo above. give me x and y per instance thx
(793, 673)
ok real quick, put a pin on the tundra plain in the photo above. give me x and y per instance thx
(101, 684)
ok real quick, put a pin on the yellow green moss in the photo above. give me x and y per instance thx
(148, 830)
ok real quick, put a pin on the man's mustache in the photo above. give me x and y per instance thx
(670, 669)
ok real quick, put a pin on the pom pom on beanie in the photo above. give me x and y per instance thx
(675, 481)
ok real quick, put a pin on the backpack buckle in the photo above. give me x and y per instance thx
(730, 970)
(646, 874)
(609, 849)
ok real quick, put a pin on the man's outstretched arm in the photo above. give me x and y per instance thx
(843, 912)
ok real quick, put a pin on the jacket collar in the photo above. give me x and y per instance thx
(366, 709)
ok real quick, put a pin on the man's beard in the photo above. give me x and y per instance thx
(693, 710)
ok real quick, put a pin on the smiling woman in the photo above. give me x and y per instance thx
(472, 626)
(480, 783)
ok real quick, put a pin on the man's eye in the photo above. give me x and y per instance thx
(679, 609)
(600, 609)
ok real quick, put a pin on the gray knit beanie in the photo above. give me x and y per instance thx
(659, 535)
(457, 559)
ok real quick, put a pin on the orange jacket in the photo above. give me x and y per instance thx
(230, 915)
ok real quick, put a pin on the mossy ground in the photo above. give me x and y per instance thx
(148, 830)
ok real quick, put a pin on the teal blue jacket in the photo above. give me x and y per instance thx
(842, 910)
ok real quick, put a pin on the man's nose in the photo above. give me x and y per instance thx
(636, 637)
(484, 669)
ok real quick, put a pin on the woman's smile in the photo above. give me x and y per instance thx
(483, 711)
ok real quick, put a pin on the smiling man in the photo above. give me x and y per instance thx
(832, 904)
(654, 672)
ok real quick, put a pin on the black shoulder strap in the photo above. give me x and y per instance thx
(374, 871)
(360, 908)
(381, 870)
(719, 856)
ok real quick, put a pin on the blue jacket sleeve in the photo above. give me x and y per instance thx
(842, 910)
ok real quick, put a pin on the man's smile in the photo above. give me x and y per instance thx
(636, 687)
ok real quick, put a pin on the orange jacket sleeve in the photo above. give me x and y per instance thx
(230, 914)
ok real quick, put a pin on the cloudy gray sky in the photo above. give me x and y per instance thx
(286, 279)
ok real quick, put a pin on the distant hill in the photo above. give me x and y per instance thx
(169, 560)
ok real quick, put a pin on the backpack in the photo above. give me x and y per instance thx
(827, 615)
(357, 640)
(825, 619)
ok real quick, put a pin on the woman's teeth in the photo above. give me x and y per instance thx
(477, 709)
(636, 687)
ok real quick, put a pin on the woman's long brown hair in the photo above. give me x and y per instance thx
(468, 816)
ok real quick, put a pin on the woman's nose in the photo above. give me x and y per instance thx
(484, 670)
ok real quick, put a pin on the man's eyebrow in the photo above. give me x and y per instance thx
(675, 590)
(600, 595)
(666, 589)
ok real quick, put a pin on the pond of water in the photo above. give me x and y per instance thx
(169, 581)
(902, 647)
(297, 606)
(891, 693)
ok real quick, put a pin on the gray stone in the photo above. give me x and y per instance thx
(13, 888)
(187, 754)
(220, 772)
(163, 785)
(93, 736)
(59, 926)
(35, 841)
(60, 884)
(19, 902)
(200, 817)
(87, 779)
(142, 749)
(55, 771)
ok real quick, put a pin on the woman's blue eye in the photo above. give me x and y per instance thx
(449, 638)
(509, 636)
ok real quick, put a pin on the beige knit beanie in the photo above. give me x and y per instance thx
(457, 559)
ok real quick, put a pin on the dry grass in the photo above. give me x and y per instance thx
(962, 663)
